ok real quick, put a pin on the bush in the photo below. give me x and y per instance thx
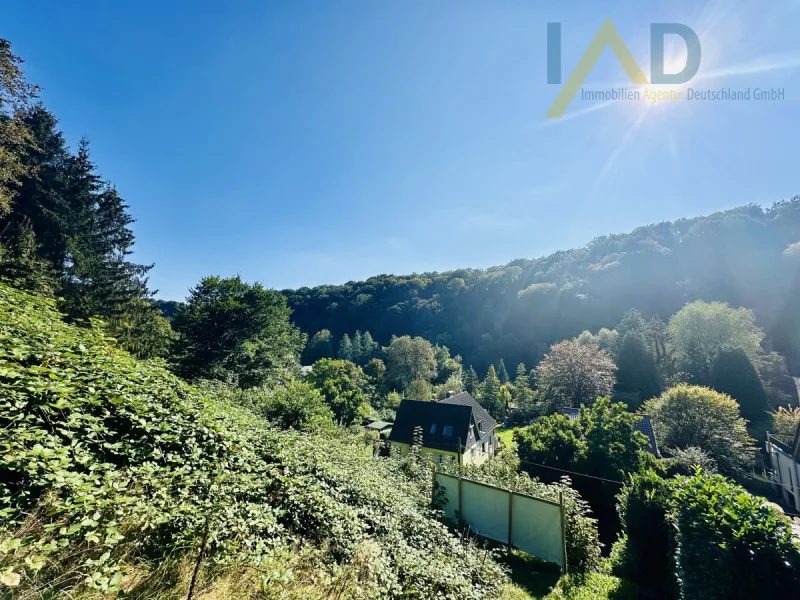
(684, 461)
(730, 545)
(292, 405)
(644, 552)
(691, 415)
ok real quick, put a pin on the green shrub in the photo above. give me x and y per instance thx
(595, 586)
(108, 460)
(291, 405)
(644, 552)
(730, 545)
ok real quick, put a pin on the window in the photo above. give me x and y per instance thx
(483, 447)
(433, 428)
(448, 431)
(472, 453)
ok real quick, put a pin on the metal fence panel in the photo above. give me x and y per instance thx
(536, 528)
(485, 509)
(536, 525)
(449, 486)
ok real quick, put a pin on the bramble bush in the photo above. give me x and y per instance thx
(112, 463)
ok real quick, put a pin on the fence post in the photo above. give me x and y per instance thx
(510, 516)
(563, 530)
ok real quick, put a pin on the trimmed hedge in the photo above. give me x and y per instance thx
(730, 546)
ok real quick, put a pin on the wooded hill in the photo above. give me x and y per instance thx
(747, 256)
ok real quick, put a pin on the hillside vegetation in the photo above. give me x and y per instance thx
(747, 256)
(116, 473)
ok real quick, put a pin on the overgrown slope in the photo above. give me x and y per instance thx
(113, 471)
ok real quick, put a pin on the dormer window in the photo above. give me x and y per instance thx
(448, 431)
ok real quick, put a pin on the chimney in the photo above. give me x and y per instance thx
(450, 393)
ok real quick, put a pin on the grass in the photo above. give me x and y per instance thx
(532, 579)
(506, 435)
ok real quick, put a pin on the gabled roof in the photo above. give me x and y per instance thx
(644, 425)
(465, 399)
(378, 425)
(458, 412)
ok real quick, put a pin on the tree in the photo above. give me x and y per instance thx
(600, 442)
(522, 386)
(700, 330)
(16, 96)
(632, 322)
(638, 373)
(358, 350)
(340, 383)
(470, 380)
(419, 389)
(733, 374)
(446, 366)
(606, 339)
(572, 374)
(502, 373)
(690, 415)
(21, 265)
(369, 347)
(236, 331)
(376, 371)
(409, 359)
(319, 346)
(345, 348)
(785, 421)
(490, 393)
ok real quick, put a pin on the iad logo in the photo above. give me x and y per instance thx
(609, 36)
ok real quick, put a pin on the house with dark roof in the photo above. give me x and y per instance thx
(644, 425)
(456, 428)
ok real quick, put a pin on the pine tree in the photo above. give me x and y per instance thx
(734, 374)
(470, 380)
(358, 349)
(490, 391)
(502, 373)
(522, 388)
(345, 348)
(368, 346)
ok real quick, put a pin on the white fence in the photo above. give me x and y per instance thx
(533, 525)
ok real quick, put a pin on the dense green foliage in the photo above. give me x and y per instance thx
(688, 415)
(730, 545)
(63, 228)
(644, 552)
(235, 331)
(108, 460)
(733, 374)
(600, 441)
(341, 384)
(701, 330)
(518, 310)
(638, 373)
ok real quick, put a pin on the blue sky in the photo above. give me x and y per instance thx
(299, 143)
